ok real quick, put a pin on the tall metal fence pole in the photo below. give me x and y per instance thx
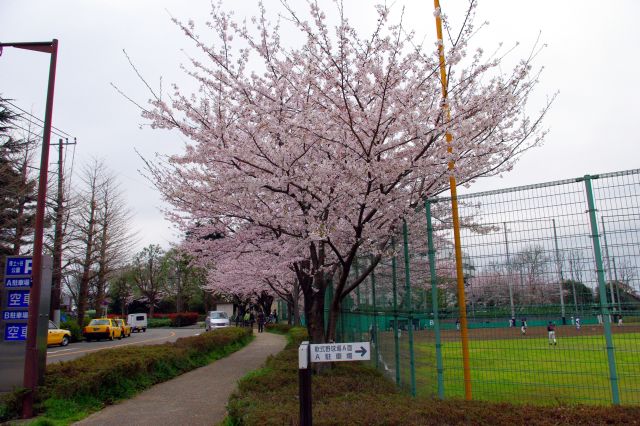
(604, 307)
(396, 339)
(374, 329)
(407, 282)
(606, 254)
(359, 300)
(434, 300)
(462, 304)
(509, 272)
(560, 277)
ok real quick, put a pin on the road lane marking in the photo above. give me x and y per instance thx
(173, 333)
(60, 350)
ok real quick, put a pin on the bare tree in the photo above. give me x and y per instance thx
(114, 236)
(17, 186)
(85, 232)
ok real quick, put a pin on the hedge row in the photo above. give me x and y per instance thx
(106, 376)
(356, 394)
(279, 328)
(179, 319)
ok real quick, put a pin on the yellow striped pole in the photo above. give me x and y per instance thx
(454, 211)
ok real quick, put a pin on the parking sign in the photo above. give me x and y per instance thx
(18, 265)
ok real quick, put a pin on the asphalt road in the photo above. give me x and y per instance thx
(151, 337)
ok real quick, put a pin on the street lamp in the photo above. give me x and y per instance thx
(31, 366)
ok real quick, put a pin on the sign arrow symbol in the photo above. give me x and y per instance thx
(362, 351)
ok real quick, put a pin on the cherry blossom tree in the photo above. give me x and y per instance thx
(327, 145)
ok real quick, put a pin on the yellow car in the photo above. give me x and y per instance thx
(58, 336)
(126, 328)
(102, 328)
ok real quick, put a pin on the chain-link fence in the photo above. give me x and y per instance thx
(552, 296)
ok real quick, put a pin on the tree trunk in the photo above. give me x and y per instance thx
(315, 317)
(334, 314)
(86, 267)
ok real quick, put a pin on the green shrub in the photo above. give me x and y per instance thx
(182, 319)
(74, 328)
(73, 389)
(279, 328)
(158, 322)
(11, 405)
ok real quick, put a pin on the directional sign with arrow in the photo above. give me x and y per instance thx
(336, 352)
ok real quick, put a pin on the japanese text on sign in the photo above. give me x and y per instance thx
(18, 282)
(18, 266)
(354, 351)
(15, 332)
(18, 299)
(332, 352)
(15, 315)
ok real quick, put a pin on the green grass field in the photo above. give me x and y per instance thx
(529, 370)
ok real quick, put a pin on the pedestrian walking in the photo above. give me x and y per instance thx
(551, 329)
(523, 326)
(245, 319)
(578, 325)
(260, 322)
(275, 316)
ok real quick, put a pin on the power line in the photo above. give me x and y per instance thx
(36, 118)
(14, 125)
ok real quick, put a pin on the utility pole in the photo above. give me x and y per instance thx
(32, 373)
(56, 282)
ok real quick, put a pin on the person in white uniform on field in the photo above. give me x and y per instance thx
(551, 329)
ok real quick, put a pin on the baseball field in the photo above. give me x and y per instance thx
(506, 365)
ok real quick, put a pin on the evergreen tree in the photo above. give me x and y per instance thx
(17, 188)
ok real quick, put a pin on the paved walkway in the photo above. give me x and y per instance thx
(198, 397)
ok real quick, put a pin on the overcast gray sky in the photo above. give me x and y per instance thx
(591, 59)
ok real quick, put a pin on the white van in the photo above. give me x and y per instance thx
(138, 322)
(216, 319)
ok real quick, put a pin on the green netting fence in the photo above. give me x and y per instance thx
(565, 253)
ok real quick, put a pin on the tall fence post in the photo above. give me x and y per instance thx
(434, 300)
(604, 307)
(374, 329)
(358, 311)
(560, 277)
(394, 283)
(407, 283)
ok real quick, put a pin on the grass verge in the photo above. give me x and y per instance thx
(356, 394)
(75, 389)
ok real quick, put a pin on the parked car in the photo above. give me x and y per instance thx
(216, 319)
(138, 322)
(102, 328)
(126, 328)
(58, 336)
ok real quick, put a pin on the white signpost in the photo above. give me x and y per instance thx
(324, 352)
(336, 352)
